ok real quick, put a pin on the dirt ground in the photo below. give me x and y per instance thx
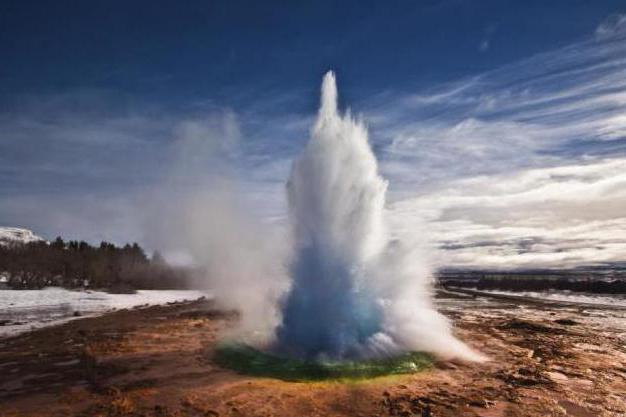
(546, 360)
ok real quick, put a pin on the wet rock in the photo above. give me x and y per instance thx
(446, 365)
(517, 324)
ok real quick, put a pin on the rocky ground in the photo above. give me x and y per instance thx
(546, 360)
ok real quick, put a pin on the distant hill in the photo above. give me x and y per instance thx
(609, 278)
(12, 235)
(603, 271)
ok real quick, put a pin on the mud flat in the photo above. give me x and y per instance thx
(546, 360)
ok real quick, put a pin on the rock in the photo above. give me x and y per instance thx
(160, 410)
(483, 403)
(446, 365)
(566, 322)
(517, 324)
(526, 371)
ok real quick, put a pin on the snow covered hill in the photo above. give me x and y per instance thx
(10, 235)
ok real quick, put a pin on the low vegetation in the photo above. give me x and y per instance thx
(249, 361)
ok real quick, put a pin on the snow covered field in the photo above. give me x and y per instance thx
(567, 296)
(23, 310)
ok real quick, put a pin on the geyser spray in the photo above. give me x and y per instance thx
(355, 292)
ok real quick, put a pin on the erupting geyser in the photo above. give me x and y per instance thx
(356, 292)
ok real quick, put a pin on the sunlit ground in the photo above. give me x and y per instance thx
(249, 361)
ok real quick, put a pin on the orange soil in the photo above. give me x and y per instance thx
(157, 362)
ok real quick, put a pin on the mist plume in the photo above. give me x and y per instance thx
(336, 284)
(355, 291)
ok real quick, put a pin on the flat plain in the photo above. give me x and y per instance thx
(546, 359)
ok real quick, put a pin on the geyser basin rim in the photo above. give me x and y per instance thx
(247, 360)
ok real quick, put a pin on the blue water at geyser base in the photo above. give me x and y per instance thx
(325, 315)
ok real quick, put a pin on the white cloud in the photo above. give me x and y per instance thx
(549, 217)
(522, 166)
(613, 25)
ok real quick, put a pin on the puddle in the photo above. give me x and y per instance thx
(68, 363)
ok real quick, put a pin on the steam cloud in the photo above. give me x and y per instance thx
(355, 291)
(342, 286)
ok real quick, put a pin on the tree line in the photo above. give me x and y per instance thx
(75, 264)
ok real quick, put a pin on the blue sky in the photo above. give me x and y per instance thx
(499, 124)
(236, 52)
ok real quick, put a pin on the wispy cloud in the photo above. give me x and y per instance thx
(522, 166)
(83, 165)
(519, 166)
(558, 216)
(612, 26)
(485, 43)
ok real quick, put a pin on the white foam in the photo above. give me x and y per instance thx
(355, 291)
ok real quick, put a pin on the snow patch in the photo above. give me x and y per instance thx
(12, 235)
(24, 310)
